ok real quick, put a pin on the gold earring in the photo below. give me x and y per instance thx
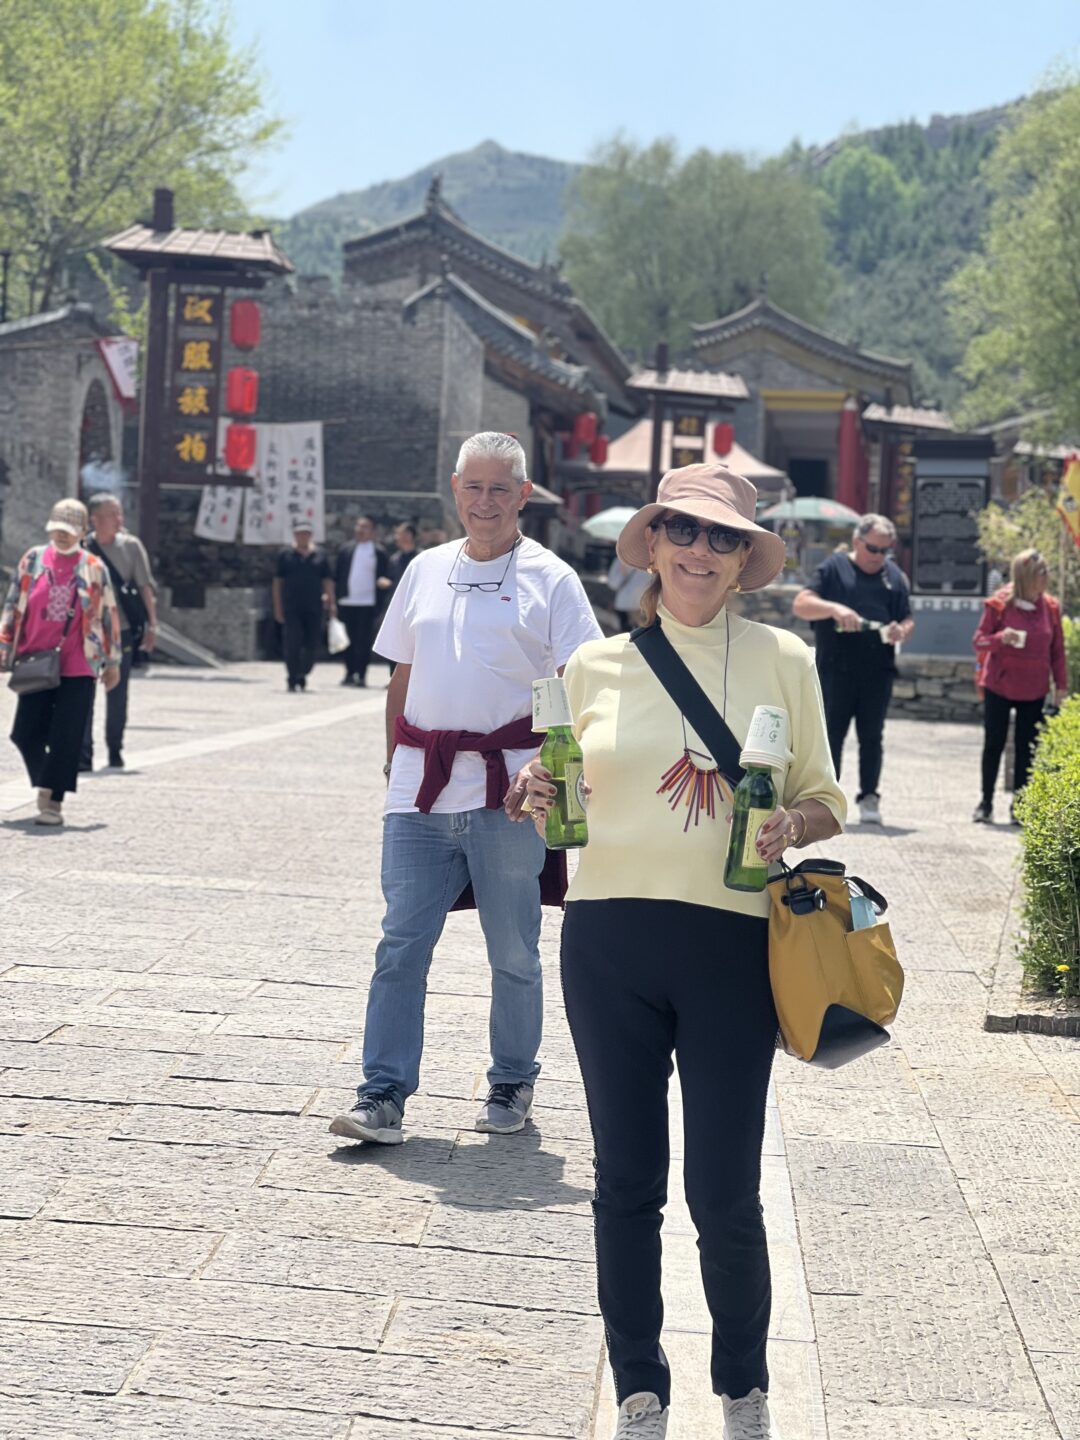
(650, 569)
(738, 586)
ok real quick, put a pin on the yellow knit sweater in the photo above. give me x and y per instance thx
(631, 733)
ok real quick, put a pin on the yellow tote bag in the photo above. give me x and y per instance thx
(835, 988)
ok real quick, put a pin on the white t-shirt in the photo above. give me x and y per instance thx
(362, 575)
(475, 655)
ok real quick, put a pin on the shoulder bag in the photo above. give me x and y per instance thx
(835, 987)
(128, 596)
(39, 670)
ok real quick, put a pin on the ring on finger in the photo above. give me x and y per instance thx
(527, 805)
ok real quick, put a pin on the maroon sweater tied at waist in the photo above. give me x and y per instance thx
(440, 747)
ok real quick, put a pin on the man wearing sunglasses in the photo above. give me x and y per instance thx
(856, 659)
(471, 625)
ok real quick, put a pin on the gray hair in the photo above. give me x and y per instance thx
(101, 499)
(876, 522)
(493, 445)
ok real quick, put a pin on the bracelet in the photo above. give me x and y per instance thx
(802, 833)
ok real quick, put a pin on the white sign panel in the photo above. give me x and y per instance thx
(289, 484)
(219, 513)
(121, 357)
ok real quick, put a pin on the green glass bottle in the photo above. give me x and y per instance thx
(755, 800)
(560, 755)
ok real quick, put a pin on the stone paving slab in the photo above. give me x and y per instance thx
(91, 1417)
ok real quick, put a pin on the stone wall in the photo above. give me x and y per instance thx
(234, 623)
(47, 367)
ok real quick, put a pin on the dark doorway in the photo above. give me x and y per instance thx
(810, 477)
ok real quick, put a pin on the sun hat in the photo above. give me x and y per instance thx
(69, 516)
(718, 495)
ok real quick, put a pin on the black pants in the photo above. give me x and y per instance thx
(48, 733)
(996, 731)
(862, 696)
(359, 621)
(116, 710)
(641, 979)
(303, 631)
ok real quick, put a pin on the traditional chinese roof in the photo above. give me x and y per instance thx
(503, 335)
(690, 384)
(80, 311)
(143, 246)
(908, 417)
(553, 303)
(762, 314)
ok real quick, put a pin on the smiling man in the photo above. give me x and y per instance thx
(857, 660)
(471, 625)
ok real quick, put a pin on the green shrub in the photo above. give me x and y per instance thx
(1049, 810)
(1072, 652)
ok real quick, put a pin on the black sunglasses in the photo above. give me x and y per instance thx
(681, 530)
(877, 549)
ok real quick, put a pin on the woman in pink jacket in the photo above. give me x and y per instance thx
(1020, 647)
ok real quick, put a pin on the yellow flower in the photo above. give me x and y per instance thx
(1061, 969)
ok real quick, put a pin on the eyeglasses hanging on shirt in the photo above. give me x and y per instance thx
(489, 587)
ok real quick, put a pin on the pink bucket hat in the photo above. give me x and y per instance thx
(713, 493)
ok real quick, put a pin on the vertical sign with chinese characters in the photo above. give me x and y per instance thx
(194, 383)
(687, 436)
(288, 484)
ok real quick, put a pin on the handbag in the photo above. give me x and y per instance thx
(39, 670)
(128, 596)
(835, 987)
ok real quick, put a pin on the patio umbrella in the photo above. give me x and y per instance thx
(608, 524)
(811, 507)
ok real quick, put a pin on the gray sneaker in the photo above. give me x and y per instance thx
(870, 810)
(506, 1109)
(641, 1418)
(748, 1418)
(376, 1118)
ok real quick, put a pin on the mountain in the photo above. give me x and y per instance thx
(904, 206)
(513, 199)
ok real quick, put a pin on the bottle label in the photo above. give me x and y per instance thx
(550, 705)
(575, 791)
(750, 857)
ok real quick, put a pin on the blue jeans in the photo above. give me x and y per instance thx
(427, 860)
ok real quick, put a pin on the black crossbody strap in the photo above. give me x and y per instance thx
(119, 583)
(666, 664)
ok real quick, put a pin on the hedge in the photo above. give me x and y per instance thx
(1049, 811)
(1071, 628)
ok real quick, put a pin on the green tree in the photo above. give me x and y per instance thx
(101, 101)
(654, 243)
(1017, 304)
(870, 205)
(1033, 521)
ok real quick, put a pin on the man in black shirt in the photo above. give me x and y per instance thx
(303, 591)
(860, 611)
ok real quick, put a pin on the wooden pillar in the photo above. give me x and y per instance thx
(658, 409)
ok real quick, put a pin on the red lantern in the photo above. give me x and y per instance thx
(586, 427)
(245, 324)
(241, 391)
(723, 438)
(598, 450)
(570, 447)
(240, 447)
(592, 504)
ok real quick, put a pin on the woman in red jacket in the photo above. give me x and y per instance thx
(1020, 646)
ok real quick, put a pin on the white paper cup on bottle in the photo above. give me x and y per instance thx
(550, 704)
(768, 739)
(1021, 639)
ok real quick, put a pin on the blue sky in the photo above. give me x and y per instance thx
(374, 91)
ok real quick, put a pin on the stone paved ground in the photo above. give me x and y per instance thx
(184, 1251)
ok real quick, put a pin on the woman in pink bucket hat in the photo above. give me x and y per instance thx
(659, 957)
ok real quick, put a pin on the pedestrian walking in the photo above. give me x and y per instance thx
(303, 593)
(1020, 649)
(861, 610)
(660, 958)
(128, 565)
(360, 578)
(60, 600)
(472, 624)
(627, 586)
(406, 552)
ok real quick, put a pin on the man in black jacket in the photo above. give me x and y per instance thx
(860, 610)
(360, 577)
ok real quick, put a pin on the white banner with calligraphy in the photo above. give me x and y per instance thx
(289, 484)
(219, 513)
(121, 357)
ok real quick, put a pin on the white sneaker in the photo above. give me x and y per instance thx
(748, 1418)
(640, 1418)
(870, 810)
